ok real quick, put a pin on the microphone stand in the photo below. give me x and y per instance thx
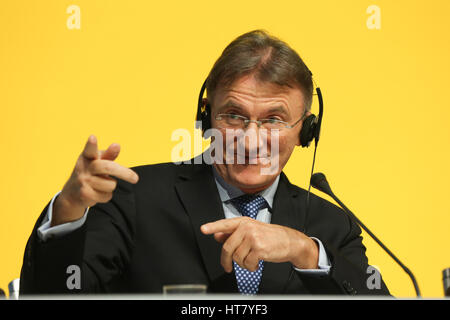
(328, 191)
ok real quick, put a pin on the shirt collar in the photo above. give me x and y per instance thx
(228, 191)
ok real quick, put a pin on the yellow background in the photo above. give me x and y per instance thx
(132, 73)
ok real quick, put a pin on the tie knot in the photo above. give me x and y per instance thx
(249, 204)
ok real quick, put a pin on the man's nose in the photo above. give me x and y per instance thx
(252, 125)
(254, 140)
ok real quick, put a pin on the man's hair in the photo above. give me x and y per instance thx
(268, 58)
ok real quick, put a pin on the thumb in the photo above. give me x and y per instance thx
(91, 149)
(111, 153)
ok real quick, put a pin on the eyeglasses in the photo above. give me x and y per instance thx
(235, 121)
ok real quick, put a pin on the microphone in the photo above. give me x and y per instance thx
(446, 281)
(319, 181)
(13, 288)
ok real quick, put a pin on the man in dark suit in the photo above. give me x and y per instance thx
(221, 223)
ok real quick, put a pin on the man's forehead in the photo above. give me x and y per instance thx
(255, 86)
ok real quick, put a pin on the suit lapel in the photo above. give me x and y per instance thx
(285, 212)
(198, 193)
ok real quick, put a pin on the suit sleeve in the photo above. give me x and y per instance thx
(101, 248)
(349, 268)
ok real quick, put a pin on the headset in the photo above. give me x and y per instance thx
(310, 129)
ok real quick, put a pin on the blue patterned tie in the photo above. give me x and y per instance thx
(247, 281)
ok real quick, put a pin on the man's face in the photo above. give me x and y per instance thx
(255, 100)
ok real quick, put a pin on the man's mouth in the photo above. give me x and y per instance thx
(250, 158)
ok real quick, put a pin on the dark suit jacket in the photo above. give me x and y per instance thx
(149, 236)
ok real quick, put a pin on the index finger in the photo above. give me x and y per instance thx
(90, 150)
(221, 236)
(112, 168)
(224, 225)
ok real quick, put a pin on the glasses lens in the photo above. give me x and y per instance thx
(231, 120)
(272, 124)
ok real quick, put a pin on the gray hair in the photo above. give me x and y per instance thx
(267, 57)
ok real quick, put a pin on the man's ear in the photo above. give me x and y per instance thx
(297, 141)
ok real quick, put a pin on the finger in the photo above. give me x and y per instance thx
(103, 183)
(228, 249)
(221, 236)
(251, 262)
(100, 167)
(111, 153)
(90, 150)
(224, 225)
(240, 254)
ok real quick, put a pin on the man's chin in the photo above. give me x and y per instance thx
(249, 177)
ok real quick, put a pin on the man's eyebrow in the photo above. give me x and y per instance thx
(230, 103)
(276, 109)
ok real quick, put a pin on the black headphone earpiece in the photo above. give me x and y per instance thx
(203, 118)
(311, 125)
(206, 117)
(307, 131)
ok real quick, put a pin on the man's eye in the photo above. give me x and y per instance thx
(273, 120)
(234, 116)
